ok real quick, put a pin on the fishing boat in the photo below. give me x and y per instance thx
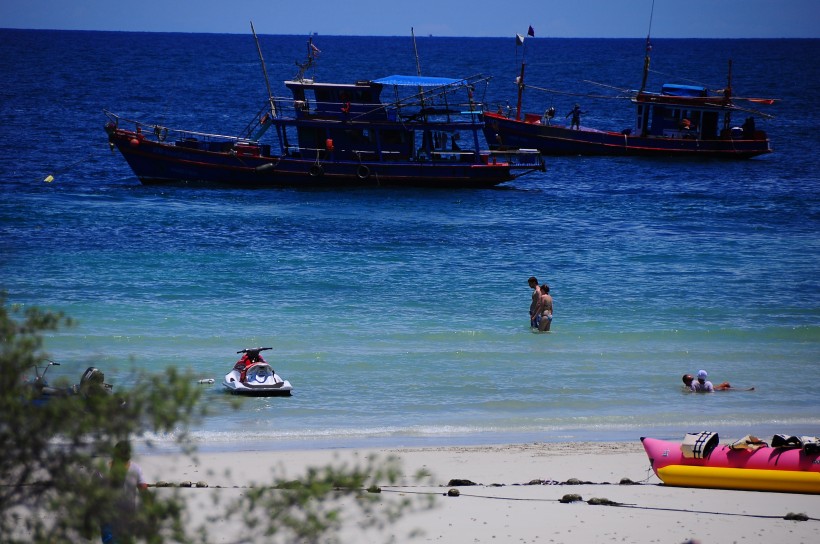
(746, 464)
(428, 134)
(680, 120)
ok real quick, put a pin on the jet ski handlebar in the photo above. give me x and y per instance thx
(249, 350)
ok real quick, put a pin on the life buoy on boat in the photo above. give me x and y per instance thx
(316, 170)
(363, 172)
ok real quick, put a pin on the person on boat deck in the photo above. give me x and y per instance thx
(549, 114)
(702, 385)
(536, 296)
(576, 114)
(749, 128)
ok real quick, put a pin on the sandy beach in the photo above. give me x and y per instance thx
(517, 496)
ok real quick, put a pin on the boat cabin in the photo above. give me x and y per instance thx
(680, 111)
(337, 101)
(352, 122)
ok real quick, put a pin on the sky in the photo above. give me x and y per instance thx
(479, 18)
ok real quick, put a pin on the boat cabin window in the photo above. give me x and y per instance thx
(359, 136)
(393, 137)
(709, 125)
(311, 139)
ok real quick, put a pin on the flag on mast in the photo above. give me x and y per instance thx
(531, 32)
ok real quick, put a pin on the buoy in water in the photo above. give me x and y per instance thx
(206, 380)
(49, 178)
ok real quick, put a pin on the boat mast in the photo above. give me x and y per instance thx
(520, 40)
(648, 49)
(264, 71)
(520, 91)
(418, 65)
(727, 99)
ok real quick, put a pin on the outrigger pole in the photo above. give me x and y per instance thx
(264, 71)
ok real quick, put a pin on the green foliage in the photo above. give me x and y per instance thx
(54, 463)
(55, 453)
(313, 508)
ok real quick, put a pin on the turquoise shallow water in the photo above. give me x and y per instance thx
(400, 316)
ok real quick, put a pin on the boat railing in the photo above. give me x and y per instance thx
(260, 122)
(163, 133)
(430, 111)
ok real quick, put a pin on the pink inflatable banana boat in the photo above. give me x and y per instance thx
(700, 461)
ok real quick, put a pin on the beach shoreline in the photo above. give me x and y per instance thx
(516, 497)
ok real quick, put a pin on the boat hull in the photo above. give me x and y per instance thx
(764, 469)
(156, 162)
(264, 384)
(280, 389)
(501, 131)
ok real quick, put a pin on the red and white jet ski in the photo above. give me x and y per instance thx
(253, 376)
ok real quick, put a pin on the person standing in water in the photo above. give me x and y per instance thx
(544, 309)
(536, 297)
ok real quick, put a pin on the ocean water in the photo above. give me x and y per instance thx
(400, 316)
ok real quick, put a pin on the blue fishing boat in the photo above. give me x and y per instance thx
(429, 134)
(680, 120)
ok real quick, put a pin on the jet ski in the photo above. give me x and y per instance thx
(91, 383)
(253, 376)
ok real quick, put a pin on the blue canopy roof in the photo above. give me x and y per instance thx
(683, 90)
(419, 81)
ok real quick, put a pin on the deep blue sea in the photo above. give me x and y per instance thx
(400, 316)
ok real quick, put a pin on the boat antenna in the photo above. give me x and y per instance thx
(648, 50)
(418, 65)
(312, 51)
(416, 51)
(264, 71)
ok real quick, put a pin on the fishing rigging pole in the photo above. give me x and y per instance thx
(264, 71)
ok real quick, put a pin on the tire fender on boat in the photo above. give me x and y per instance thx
(316, 170)
(363, 172)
